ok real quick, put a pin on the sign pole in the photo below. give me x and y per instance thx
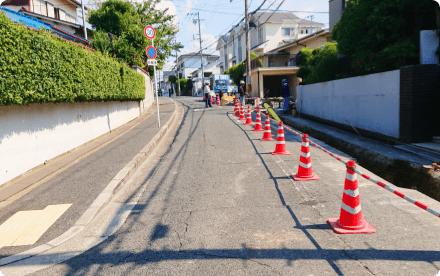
(155, 88)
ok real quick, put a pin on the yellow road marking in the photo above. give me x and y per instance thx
(27, 227)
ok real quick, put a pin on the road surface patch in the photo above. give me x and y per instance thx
(27, 227)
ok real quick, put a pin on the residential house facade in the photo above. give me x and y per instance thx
(280, 63)
(336, 8)
(61, 15)
(267, 31)
(188, 63)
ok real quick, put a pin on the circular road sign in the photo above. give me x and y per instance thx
(149, 32)
(151, 52)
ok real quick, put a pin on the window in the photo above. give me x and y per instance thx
(226, 55)
(292, 62)
(239, 49)
(285, 31)
(50, 10)
(57, 13)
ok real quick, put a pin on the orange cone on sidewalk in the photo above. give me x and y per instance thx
(351, 220)
(249, 117)
(267, 135)
(236, 108)
(242, 113)
(218, 100)
(258, 126)
(280, 148)
(305, 163)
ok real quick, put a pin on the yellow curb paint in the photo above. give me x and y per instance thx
(27, 227)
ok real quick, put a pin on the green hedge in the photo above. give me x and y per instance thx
(38, 67)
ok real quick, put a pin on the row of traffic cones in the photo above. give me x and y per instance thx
(350, 220)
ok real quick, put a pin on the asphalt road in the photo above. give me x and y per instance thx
(220, 204)
(80, 184)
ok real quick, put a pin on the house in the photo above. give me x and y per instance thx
(267, 31)
(208, 69)
(268, 70)
(188, 63)
(61, 15)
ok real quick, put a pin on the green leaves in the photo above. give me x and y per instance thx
(37, 67)
(383, 34)
(126, 21)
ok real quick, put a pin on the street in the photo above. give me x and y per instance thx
(219, 204)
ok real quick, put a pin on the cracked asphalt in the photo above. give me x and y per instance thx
(220, 204)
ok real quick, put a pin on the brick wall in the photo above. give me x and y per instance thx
(419, 103)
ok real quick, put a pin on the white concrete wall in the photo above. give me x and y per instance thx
(429, 43)
(369, 102)
(30, 135)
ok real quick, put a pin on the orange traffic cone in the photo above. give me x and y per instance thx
(236, 108)
(351, 220)
(242, 113)
(212, 100)
(258, 126)
(280, 148)
(305, 163)
(249, 117)
(218, 100)
(267, 135)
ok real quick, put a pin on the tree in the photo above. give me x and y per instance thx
(380, 35)
(126, 21)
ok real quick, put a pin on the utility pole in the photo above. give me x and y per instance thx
(248, 50)
(177, 72)
(200, 39)
(84, 20)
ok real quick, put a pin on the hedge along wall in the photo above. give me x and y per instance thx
(37, 67)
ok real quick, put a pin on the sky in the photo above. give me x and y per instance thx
(218, 16)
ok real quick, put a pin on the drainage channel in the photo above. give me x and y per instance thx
(400, 172)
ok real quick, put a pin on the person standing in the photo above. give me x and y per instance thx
(207, 95)
(285, 94)
(242, 92)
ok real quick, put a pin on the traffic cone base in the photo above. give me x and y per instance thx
(305, 178)
(267, 139)
(364, 228)
(280, 152)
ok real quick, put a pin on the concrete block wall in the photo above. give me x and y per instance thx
(419, 102)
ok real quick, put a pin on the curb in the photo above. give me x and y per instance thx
(103, 198)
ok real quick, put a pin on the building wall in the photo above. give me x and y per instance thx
(318, 41)
(278, 61)
(369, 102)
(336, 7)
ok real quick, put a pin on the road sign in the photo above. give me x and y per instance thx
(152, 62)
(149, 32)
(151, 52)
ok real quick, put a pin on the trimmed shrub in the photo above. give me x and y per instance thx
(37, 67)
